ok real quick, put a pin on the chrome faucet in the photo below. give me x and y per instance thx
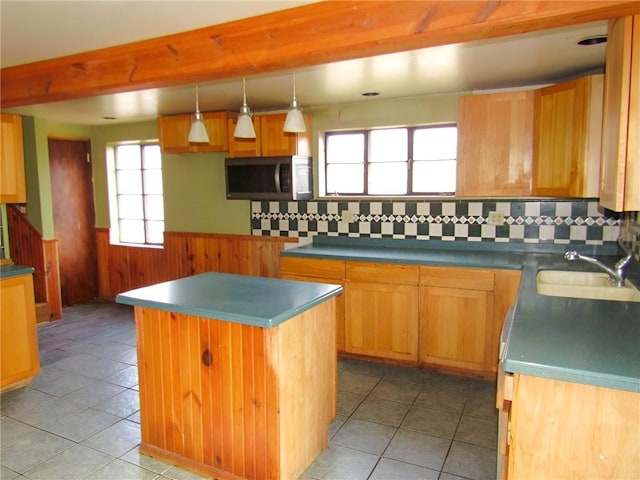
(616, 275)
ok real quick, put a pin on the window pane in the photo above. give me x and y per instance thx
(152, 157)
(345, 178)
(129, 181)
(132, 231)
(388, 178)
(128, 156)
(153, 207)
(155, 230)
(388, 145)
(130, 206)
(437, 143)
(345, 148)
(434, 177)
(153, 181)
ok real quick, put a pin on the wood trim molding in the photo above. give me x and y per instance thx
(308, 35)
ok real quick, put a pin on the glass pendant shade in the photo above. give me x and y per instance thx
(198, 131)
(244, 126)
(294, 123)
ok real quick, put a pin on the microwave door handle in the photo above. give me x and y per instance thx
(277, 177)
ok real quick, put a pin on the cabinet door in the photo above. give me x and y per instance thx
(12, 179)
(19, 337)
(243, 147)
(276, 142)
(495, 144)
(455, 328)
(382, 320)
(174, 133)
(620, 174)
(216, 125)
(568, 138)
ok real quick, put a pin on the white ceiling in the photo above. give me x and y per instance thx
(38, 30)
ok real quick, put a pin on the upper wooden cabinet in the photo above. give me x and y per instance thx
(620, 173)
(244, 147)
(271, 140)
(174, 133)
(568, 132)
(12, 180)
(495, 144)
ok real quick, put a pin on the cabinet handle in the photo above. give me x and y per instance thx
(206, 357)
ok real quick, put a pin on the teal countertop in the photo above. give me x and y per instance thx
(595, 342)
(7, 271)
(256, 301)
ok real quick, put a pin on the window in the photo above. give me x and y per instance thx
(392, 161)
(137, 210)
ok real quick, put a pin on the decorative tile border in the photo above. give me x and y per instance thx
(560, 222)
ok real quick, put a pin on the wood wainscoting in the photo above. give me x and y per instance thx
(123, 267)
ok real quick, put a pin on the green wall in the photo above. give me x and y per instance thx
(194, 185)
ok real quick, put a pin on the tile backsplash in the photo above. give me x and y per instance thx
(525, 221)
(630, 233)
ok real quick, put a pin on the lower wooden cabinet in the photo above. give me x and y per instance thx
(382, 320)
(444, 317)
(320, 271)
(588, 431)
(455, 328)
(19, 340)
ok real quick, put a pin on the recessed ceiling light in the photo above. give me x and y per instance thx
(370, 94)
(595, 40)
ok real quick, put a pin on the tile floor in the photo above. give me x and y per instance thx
(79, 418)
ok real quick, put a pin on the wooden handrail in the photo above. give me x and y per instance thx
(25, 243)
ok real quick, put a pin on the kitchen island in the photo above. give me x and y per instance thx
(237, 373)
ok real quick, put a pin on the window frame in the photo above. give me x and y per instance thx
(114, 194)
(367, 143)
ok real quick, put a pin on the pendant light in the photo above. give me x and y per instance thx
(198, 131)
(244, 126)
(294, 123)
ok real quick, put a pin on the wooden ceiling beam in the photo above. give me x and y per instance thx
(308, 35)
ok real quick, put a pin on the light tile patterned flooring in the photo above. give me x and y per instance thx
(79, 418)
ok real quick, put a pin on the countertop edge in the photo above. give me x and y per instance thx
(135, 300)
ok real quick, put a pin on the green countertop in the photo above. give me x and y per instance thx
(595, 342)
(7, 271)
(256, 301)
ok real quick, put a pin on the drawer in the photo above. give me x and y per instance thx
(309, 267)
(456, 277)
(383, 273)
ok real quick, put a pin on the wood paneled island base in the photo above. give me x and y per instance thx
(232, 400)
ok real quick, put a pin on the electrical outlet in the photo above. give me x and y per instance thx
(495, 218)
(347, 216)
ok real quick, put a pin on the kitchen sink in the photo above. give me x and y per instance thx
(591, 285)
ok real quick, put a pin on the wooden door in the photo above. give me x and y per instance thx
(74, 219)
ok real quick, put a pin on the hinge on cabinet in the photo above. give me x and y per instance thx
(88, 157)
(509, 432)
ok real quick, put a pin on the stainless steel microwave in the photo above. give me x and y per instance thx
(270, 178)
